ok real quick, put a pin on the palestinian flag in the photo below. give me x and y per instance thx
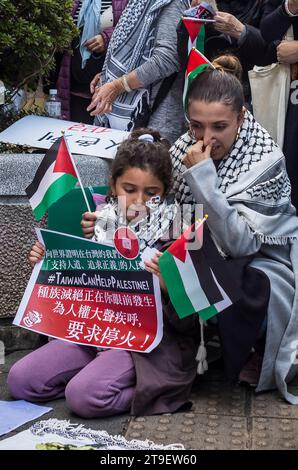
(218, 307)
(197, 62)
(190, 282)
(55, 176)
(196, 32)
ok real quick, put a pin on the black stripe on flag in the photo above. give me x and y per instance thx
(228, 272)
(46, 162)
(208, 284)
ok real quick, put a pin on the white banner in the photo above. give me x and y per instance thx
(84, 139)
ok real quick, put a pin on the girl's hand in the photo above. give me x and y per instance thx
(36, 254)
(196, 154)
(94, 82)
(153, 267)
(228, 24)
(88, 224)
(104, 97)
(287, 52)
(95, 44)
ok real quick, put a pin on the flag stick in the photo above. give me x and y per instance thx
(201, 221)
(79, 178)
(198, 20)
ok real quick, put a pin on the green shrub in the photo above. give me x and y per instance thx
(31, 33)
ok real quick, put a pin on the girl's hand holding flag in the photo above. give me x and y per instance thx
(153, 267)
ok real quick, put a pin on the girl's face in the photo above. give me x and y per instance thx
(215, 123)
(134, 188)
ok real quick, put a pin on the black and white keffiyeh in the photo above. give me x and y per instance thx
(156, 226)
(253, 178)
(131, 45)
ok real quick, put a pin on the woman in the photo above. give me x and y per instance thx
(278, 17)
(96, 20)
(142, 54)
(230, 164)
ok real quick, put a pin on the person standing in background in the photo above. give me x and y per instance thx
(140, 82)
(96, 20)
(278, 17)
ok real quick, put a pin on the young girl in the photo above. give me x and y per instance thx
(114, 381)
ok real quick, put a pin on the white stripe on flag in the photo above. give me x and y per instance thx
(226, 302)
(192, 283)
(48, 179)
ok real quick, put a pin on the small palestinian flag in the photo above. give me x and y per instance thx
(197, 62)
(55, 176)
(191, 285)
(196, 31)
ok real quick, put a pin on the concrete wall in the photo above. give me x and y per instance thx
(17, 222)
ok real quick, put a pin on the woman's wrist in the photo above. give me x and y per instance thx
(238, 31)
(118, 85)
(291, 7)
(126, 86)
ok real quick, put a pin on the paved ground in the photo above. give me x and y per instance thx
(223, 417)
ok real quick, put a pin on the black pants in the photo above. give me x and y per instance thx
(78, 110)
(240, 324)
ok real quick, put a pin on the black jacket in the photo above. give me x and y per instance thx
(275, 21)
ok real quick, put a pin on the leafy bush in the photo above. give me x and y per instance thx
(31, 33)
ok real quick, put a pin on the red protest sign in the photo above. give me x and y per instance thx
(85, 292)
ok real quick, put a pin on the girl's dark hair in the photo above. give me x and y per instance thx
(219, 85)
(152, 156)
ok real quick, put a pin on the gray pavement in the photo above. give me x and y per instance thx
(223, 416)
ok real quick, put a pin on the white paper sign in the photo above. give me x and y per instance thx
(83, 139)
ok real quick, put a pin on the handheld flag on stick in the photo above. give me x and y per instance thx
(55, 177)
(191, 283)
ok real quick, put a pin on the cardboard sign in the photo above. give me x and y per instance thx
(84, 139)
(87, 293)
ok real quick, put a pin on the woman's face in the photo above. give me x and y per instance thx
(215, 123)
(134, 188)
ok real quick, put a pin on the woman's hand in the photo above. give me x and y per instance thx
(94, 82)
(287, 52)
(228, 24)
(104, 97)
(95, 44)
(195, 154)
(153, 267)
(88, 224)
(36, 254)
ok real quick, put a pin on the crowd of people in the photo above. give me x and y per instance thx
(221, 157)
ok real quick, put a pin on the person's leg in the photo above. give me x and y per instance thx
(104, 387)
(43, 374)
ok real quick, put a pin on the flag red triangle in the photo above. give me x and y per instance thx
(195, 60)
(193, 28)
(63, 162)
(179, 247)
